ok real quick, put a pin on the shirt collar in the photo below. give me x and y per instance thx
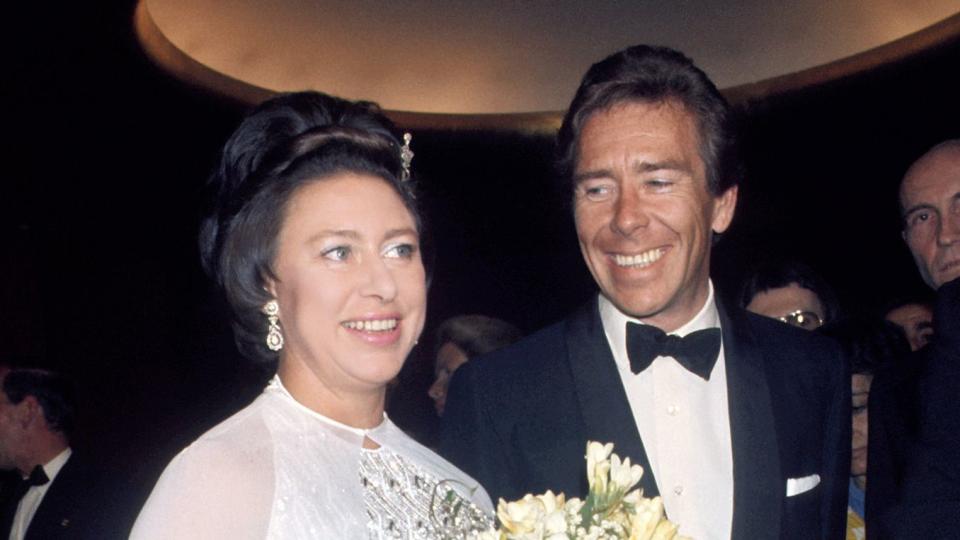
(615, 322)
(52, 467)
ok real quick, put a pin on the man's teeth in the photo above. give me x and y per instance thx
(643, 259)
(382, 325)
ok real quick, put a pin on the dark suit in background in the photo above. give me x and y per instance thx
(519, 419)
(85, 501)
(929, 495)
(894, 425)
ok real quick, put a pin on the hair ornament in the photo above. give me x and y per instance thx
(406, 156)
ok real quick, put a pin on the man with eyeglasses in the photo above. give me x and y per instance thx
(927, 483)
(790, 292)
(793, 293)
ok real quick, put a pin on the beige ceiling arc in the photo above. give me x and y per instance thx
(175, 61)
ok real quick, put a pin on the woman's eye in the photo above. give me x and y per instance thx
(338, 253)
(400, 251)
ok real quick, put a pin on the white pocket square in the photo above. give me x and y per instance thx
(796, 486)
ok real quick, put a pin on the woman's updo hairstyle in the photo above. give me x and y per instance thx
(285, 143)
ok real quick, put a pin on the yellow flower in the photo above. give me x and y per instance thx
(665, 531)
(646, 514)
(520, 517)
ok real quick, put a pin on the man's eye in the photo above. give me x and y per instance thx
(917, 219)
(659, 183)
(337, 253)
(400, 251)
(596, 192)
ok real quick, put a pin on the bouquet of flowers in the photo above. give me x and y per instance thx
(613, 510)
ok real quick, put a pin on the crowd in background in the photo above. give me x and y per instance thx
(902, 362)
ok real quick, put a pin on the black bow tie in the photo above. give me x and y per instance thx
(38, 477)
(8, 509)
(697, 351)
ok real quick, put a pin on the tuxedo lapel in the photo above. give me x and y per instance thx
(758, 489)
(600, 394)
(55, 514)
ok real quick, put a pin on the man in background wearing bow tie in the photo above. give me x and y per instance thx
(747, 436)
(54, 494)
(36, 417)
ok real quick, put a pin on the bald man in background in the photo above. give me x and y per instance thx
(927, 501)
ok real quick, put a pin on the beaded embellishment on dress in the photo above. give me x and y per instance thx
(404, 502)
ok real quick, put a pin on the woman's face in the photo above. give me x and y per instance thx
(860, 386)
(449, 359)
(350, 283)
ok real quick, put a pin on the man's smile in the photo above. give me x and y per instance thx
(639, 260)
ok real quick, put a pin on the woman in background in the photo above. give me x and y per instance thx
(315, 238)
(871, 345)
(461, 338)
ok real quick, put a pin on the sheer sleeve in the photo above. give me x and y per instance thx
(214, 489)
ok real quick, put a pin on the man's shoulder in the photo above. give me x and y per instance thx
(539, 353)
(531, 348)
(772, 333)
(790, 351)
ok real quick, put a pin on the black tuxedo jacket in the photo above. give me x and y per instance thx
(927, 504)
(518, 420)
(80, 505)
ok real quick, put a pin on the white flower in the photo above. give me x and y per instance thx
(615, 512)
(598, 465)
(572, 507)
(485, 535)
(624, 476)
(550, 501)
(555, 517)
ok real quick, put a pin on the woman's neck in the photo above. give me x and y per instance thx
(360, 409)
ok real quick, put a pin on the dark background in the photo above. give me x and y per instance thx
(104, 158)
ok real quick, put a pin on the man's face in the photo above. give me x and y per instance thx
(916, 321)
(930, 198)
(9, 434)
(643, 213)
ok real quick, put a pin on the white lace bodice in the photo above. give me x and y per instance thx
(277, 469)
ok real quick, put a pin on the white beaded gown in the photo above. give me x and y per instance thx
(277, 469)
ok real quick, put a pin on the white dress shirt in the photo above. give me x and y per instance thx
(684, 423)
(34, 496)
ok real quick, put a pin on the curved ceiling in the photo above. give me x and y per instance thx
(430, 60)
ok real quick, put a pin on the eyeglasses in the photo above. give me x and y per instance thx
(807, 320)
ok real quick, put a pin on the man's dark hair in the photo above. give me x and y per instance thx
(53, 392)
(648, 74)
(477, 334)
(777, 274)
(920, 299)
(869, 343)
